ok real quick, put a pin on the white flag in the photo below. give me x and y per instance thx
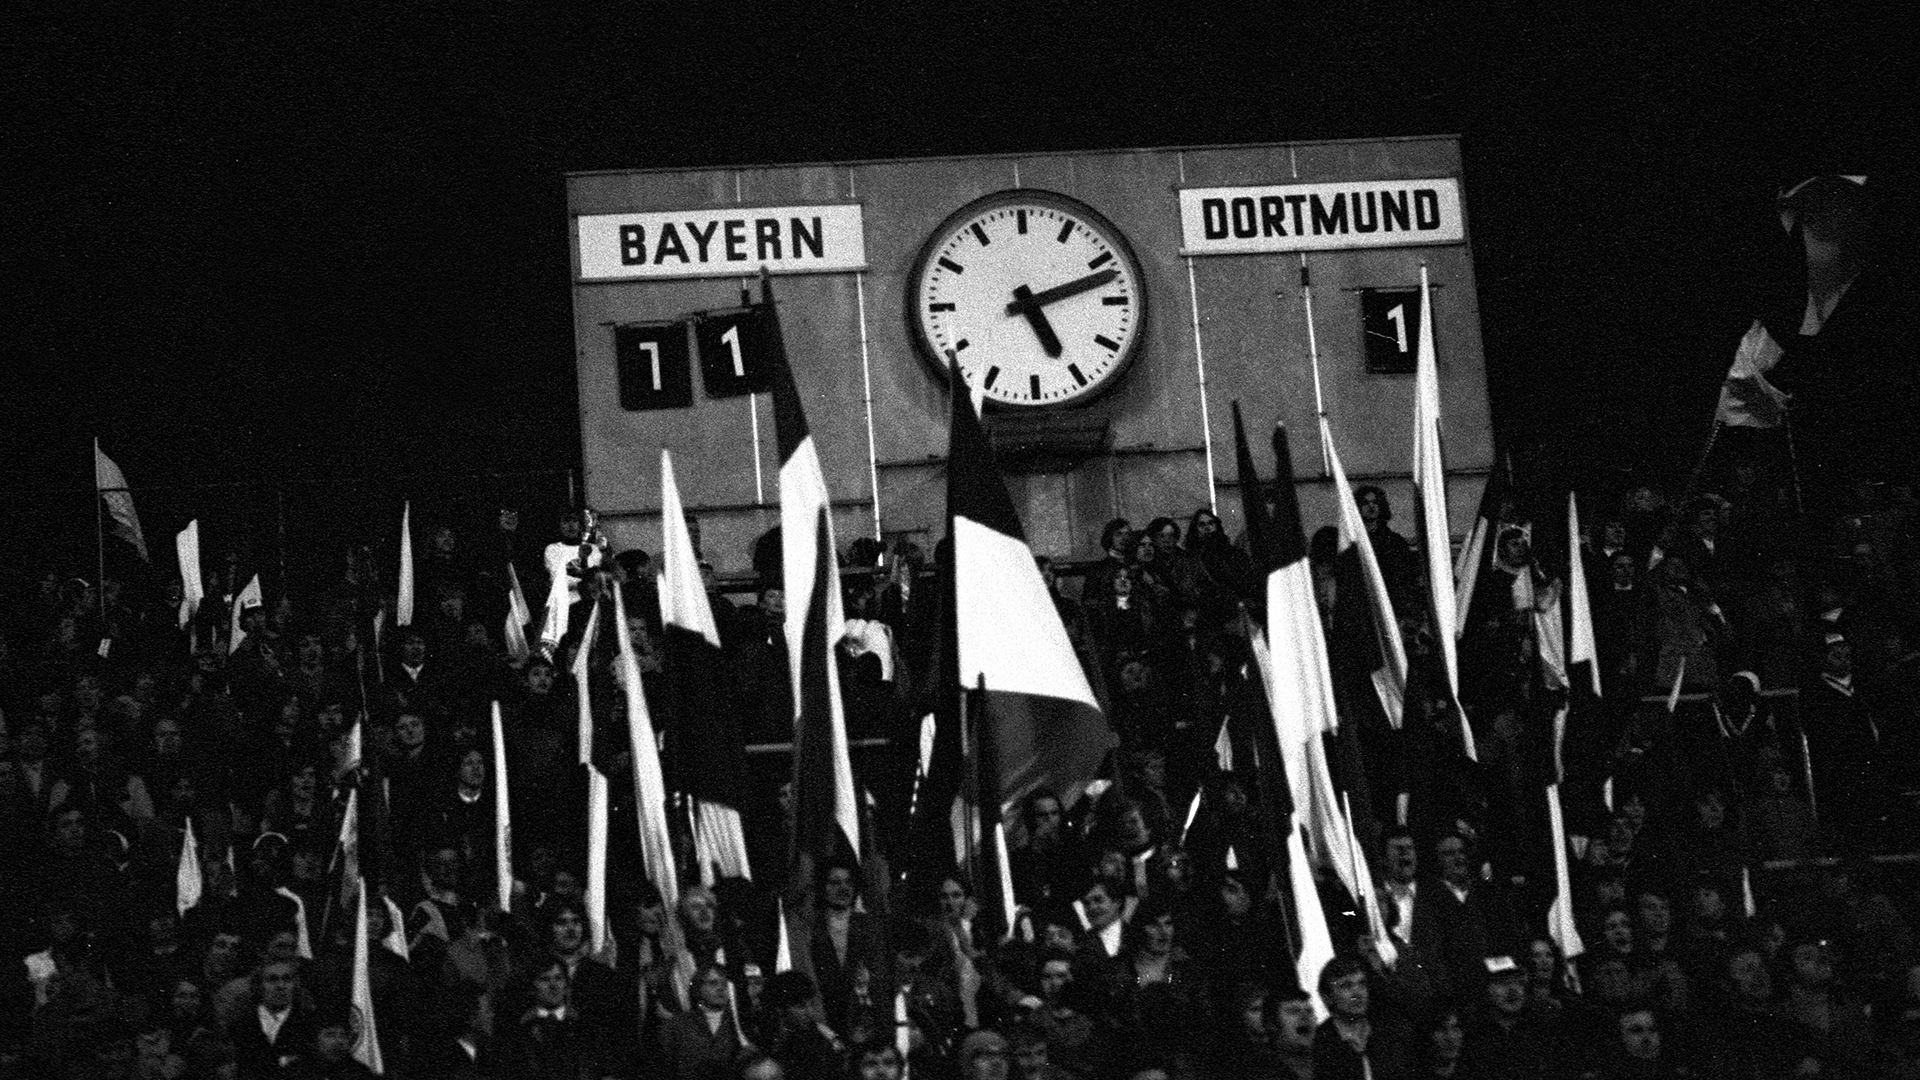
(367, 1050)
(403, 603)
(192, 589)
(188, 882)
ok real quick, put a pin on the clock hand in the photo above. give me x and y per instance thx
(1024, 304)
(1075, 287)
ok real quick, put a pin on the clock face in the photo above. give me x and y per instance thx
(1040, 298)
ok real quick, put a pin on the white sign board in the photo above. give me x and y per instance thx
(728, 242)
(1320, 217)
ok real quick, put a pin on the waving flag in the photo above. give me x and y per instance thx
(1581, 646)
(650, 784)
(367, 1050)
(1436, 530)
(111, 484)
(1390, 678)
(1037, 722)
(518, 618)
(192, 590)
(250, 597)
(189, 884)
(502, 821)
(711, 751)
(403, 602)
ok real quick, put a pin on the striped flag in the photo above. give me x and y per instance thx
(1041, 715)
(1436, 529)
(1300, 695)
(111, 484)
(403, 601)
(710, 749)
(1581, 647)
(826, 813)
(1390, 678)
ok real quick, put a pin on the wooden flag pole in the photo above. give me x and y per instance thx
(1313, 359)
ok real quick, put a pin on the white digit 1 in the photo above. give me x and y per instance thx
(652, 349)
(732, 338)
(1398, 313)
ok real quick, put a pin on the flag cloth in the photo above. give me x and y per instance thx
(650, 784)
(347, 853)
(1496, 507)
(192, 589)
(403, 601)
(1436, 528)
(1390, 678)
(826, 815)
(303, 941)
(519, 617)
(1301, 694)
(1581, 646)
(582, 691)
(1044, 725)
(188, 882)
(1367, 899)
(396, 940)
(1747, 399)
(111, 484)
(710, 750)
(366, 1050)
(599, 797)
(250, 597)
(1253, 508)
(502, 823)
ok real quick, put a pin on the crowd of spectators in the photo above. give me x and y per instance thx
(1739, 861)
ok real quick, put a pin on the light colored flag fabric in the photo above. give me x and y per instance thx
(598, 798)
(713, 747)
(583, 699)
(1582, 647)
(1430, 487)
(303, 941)
(349, 846)
(1390, 678)
(189, 884)
(193, 589)
(650, 785)
(250, 597)
(518, 618)
(1560, 922)
(396, 940)
(1747, 399)
(783, 947)
(502, 818)
(367, 1050)
(403, 602)
(111, 483)
(1368, 898)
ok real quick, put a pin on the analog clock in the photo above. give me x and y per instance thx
(1040, 298)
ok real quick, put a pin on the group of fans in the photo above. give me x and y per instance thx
(1739, 812)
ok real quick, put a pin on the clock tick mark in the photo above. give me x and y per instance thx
(961, 344)
(1033, 386)
(953, 266)
(1074, 370)
(1065, 231)
(1106, 342)
(1020, 217)
(939, 307)
(1114, 301)
(981, 234)
(992, 374)
(1100, 261)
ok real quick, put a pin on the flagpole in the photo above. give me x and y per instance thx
(759, 472)
(99, 539)
(1313, 359)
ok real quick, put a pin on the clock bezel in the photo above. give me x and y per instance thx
(1123, 248)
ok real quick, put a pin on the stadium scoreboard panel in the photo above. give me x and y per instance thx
(1106, 288)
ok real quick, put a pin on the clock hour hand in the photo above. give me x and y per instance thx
(1025, 300)
(1025, 303)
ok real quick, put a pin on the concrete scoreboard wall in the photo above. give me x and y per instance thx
(1240, 314)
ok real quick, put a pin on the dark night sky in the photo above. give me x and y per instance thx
(259, 241)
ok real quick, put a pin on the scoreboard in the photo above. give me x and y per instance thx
(1110, 305)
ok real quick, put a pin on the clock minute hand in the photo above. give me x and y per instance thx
(1024, 304)
(1075, 287)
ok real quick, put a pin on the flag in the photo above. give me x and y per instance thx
(192, 590)
(1366, 899)
(1496, 506)
(396, 940)
(1747, 399)
(826, 815)
(1251, 718)
(1581, 647)
(111, 484)
(583, 697)
(1300, 696)
(502, 820)
(710, 753)
(250, 597)
(1390, 678)
(599, 797)
(367, 1050)
(1252, 506)
(1436, 528)
(403, 602)
(518, 618)
(1040, 714)
(303, 946)
(347, 851)
(1560, 922)
(189, 884)
(650, 785)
